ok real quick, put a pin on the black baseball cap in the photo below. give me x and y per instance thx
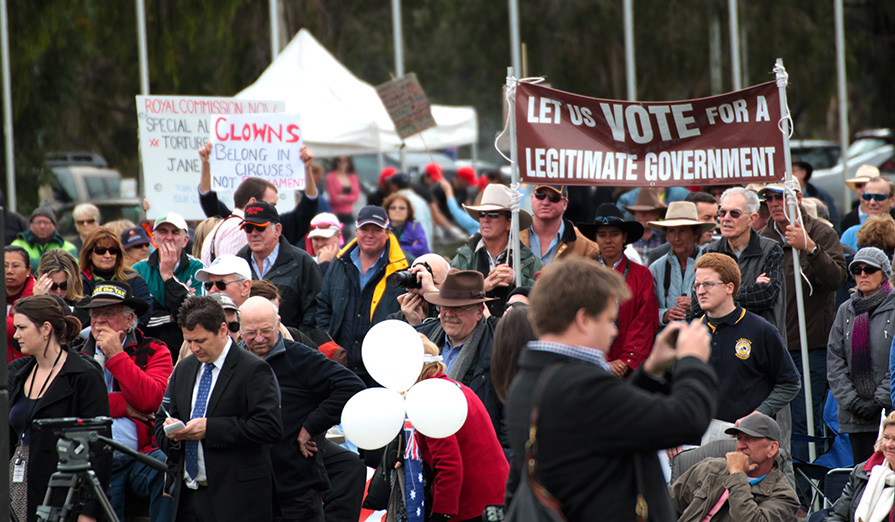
(260, 213)
(372, 214)
(757, 425)
(562, 190)
(134, 237)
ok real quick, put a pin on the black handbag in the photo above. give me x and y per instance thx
(531, 500)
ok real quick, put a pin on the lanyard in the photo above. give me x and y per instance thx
(31, 411)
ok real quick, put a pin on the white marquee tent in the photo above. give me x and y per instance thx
(342, 114)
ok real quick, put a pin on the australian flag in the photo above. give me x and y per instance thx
(414, 486)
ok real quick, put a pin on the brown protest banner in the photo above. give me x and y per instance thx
(564, 138)
(407, 105)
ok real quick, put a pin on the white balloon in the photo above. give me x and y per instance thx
(373, 417)
(437, 408)
(393, 354)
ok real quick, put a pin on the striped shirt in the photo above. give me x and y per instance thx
(588, 355)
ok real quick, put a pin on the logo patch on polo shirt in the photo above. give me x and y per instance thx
(743, 348)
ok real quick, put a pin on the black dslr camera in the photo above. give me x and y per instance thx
(407, 279)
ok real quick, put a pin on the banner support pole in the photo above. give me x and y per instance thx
(797, 267)
(514, 185)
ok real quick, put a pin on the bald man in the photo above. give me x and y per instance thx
(430, 271)
(313, 392)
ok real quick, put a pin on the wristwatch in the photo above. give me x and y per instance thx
(813, 251)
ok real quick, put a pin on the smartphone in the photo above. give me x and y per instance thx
(175, 427)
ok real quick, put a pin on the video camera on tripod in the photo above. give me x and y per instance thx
(74, 470)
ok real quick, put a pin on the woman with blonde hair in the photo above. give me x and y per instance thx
(870, 491)
(470, 467)
(58, 274)
(202, 230)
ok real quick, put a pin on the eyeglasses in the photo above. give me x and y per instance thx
(14, 266)
(254, 333)
(397, 208)
(456, 309)
(59, 286)
(773, 196)
(42, 222)
(105, 311)
(707, 285)
(82, 222)
(868, 270)
(553, 197)
(735, 214)
(101, 251)
(221, 285)
(233, 326)
(494, 214)
(875, 197)
(251, 228)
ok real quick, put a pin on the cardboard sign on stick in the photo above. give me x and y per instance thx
(407, 105)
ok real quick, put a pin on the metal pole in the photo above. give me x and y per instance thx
(515, 45)
(141, 47)
(7, 113)
(514, 156)
(715, 54)
(735, 44)
(842, 94)
(274, 30)
(797, 272)
(399, 61)
(630, 69)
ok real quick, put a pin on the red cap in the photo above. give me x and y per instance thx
(434, 171)
(467, 174)
(386, 173)
(483, 182)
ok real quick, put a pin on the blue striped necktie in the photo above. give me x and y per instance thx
(192, 446)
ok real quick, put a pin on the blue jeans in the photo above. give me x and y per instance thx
(818, 361)
(128, 475)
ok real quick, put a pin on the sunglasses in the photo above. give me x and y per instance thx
(221, 285)
(101, 251)
(875, 197)
(735, 214)
(320, 226)
(494, 214)
(773, 196)
(868, 270)
(553, 197)
(859, 186)
(251, 228)
(233, 326)
(83, 222)
(59, 286)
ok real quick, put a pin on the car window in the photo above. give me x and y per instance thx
(65, 185)
(96, 187)
(864, 145)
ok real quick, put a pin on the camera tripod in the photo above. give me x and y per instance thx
(74, 473)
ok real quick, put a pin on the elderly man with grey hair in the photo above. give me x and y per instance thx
(136, 371)
(760, 259)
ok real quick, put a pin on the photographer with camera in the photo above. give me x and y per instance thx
(426, 274)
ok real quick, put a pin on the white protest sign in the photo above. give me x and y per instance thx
(265, 146)
(171, 130)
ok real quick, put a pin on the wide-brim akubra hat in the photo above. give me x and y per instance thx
(497, 197)
(864, 174)
(110, 293)
(647, 199)
(460, 288)
(681, 214)
(609, 215)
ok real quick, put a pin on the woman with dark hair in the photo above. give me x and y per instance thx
(58, 274)
(411, 234)
(55, 381)
(510, 337)
(102, 259)
(19, 284)
(343, 189)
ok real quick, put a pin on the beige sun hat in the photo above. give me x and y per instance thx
(497, 197)
(778, 187)
(864, 174)
(681, 214)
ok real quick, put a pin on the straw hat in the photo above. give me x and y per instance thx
(647, 200)
(681, 214)
(864, 174)
(497, 197)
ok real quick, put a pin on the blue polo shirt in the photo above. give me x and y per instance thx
(750, 359)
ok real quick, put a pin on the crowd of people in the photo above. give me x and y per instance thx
(228, 348)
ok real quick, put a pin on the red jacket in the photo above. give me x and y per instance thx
(141, 374)
(470, 467)
(638, 317)
(12, 353)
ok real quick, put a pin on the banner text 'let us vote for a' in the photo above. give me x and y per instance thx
(568, 139)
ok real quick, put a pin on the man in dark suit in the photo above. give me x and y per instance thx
(229, 403)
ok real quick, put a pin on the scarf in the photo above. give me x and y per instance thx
(862, 362)
(876, 502)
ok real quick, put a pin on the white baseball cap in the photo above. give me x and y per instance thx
(171, 217)
(225, 265)
(325, 225)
